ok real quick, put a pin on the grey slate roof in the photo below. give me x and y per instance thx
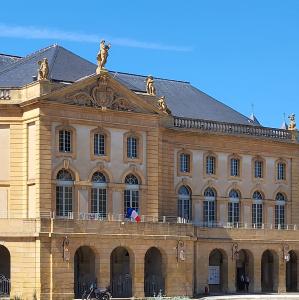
(182, 98)
(6, 60)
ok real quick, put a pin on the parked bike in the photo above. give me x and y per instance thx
(95, 293)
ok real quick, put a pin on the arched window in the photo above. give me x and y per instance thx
(184, 203)
(64, 193)
(257, 209)
(99, 194)
(280, 210)
(209, 207)
(131, 194)
(234, 207)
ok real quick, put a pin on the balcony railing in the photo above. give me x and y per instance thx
(166, 219)
(231, 128)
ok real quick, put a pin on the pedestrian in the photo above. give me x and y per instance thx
(247, 281)
(242, 282)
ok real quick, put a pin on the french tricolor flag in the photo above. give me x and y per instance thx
(133, 214)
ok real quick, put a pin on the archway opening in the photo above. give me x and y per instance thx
(121, 278)
(4, 271)
(269, 271)
(84, 270)
(154, 270)
(291, 272)
(217, 271)
(244, 270)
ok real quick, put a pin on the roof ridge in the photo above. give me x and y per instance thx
(26, 58)
(160, 78)
(10, 55)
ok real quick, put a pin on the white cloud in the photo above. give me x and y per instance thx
(31, 32)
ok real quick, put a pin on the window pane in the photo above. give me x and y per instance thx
(185, 163)
(64, 141)
(131, 200)
(281, 171)
(257, 215)
(99, 144)
(99, 201)
(234, 168)
(132, 147)
(258, 169)
(210, 165)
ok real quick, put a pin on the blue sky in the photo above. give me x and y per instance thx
(241, 52)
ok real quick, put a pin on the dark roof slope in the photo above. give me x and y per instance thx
(183, 99)
(6, 59)
(63, 66)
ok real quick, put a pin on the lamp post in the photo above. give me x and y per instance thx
(285, 252)
(235, 251)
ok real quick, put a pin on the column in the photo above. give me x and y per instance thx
(281, 274)
(103, 270)
(231, 275)
(256, 280)
(138, 277)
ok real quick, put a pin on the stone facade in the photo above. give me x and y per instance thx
(116, 251)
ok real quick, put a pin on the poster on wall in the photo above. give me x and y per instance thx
(214, 275)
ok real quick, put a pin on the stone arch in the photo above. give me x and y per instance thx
(244, 267)
(84, 269)
(5, 271)
(269, 271)
(122, 267)
(135, 172)
(68, 167)
(103, 170)
(291, 272)
(218, 271)
(154, 272)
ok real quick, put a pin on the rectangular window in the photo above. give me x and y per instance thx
(131, 199)
(64, 200)
(65, 141)
(233, 213)
(99, 144)
(132, 147)
(279, 216)
(98, 202)
(258, 169)
(257, 215)
(210, 165)
(281, 171)
(209, 212)
(185, 163)
(235, 167)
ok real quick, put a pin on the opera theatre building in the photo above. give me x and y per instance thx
(213, 195)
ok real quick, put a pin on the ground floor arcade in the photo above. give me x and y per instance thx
(60, 266)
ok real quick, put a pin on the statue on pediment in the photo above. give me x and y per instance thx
(163, 106)
(150, 87)
(102, 56)
(43, 69)
(292, 125)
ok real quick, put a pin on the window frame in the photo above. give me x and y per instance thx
(73, 141)
(139, 147)
(257, 210)
(107, 146)
(64, 187)
(131, 192)
(207, 157)
(233, 209)
(98, 189)
(183, 201)
(210, 208)
(277, 170)
(179, 171)
(280, 211)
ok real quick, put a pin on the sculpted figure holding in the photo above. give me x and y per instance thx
(150, 88)
(43, 70)
(292, 125)
(102, 55)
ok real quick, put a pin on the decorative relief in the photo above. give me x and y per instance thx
(101, 96)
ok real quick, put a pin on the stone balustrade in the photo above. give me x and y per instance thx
(231, 128)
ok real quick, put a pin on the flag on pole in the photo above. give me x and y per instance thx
(133, 214)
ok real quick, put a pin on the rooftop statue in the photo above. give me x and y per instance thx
(102, 56)
(163, 106)
(43, 70)
(292, 125)
(150, 88)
